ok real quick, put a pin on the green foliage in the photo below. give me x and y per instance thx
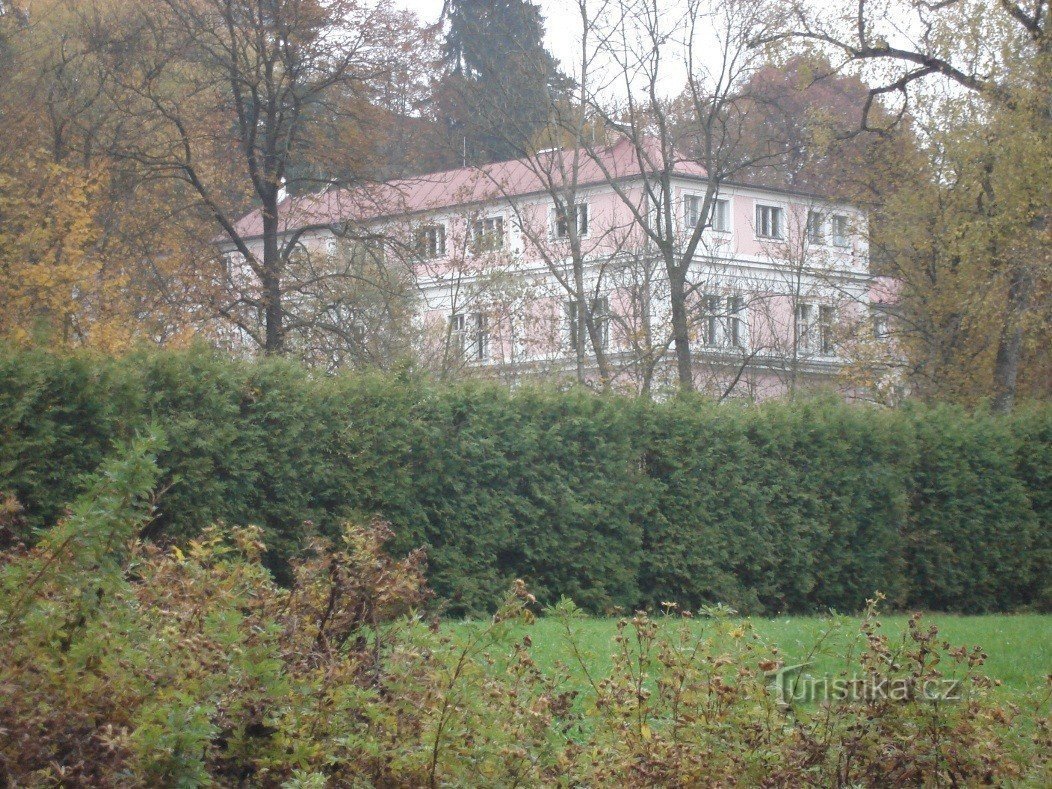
(616, 503)
(974, 533)
(195, 668)
(497, 92)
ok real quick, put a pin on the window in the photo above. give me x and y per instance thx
(710, 320)
(814, 329)
(721, 213)
(458, 333)
(431, 241)
(735, 336)
(357, 334)
(722, 323)
(880, 324)
(487, 235)
(600, 310)
(579, 212)
(769, 221)
(841, 233)
(825, 331)
(480, 350)
(470, 335)
(803, 316)
(816, 227)
(721, 216)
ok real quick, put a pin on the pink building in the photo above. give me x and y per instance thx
(505, 260)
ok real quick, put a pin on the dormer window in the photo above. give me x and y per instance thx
(431, 241)
(770, 221)
(578, 213)
(487, 235)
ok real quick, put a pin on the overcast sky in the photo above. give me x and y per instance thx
(561, 39)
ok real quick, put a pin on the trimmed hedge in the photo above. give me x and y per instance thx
(614, 502)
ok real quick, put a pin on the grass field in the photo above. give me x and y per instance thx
(1019, 646)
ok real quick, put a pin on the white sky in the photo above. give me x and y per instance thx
(561, 39)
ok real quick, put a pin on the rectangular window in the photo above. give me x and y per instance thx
(487, 235)
(710, 320)
(803, 318)
(816, 227)
(735, 335)
(721, 216)
(458, 333)
(600, 311)
(769, 221)
(825, 331)
(721, 213)
(480, 349)
(579, 212)
(431, 241)
(841, 232)
(880, 324)
(692, 205)
(469, 334)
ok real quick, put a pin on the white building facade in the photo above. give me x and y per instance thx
(501, 265)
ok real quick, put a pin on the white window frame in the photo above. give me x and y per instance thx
(692, 214)
(815, 326)
(826, 320)
(840, 231)
(758, 226)
(881, 323)
(724, 321)
(816, 230)
(470, 334)
(438, 246)
(736, 328)
(803, 321)
(711, 317)
(556, 219)
(481, 350)
(485, 221)
(600, 310)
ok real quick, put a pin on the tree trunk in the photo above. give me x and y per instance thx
(681, 331)
(1010, 343)
(273, 310)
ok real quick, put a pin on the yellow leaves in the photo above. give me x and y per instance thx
(81, 263)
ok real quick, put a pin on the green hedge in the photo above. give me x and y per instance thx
(615, 502)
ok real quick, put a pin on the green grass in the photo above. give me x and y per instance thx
(1019, 646)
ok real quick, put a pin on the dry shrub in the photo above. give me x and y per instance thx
(122, 664)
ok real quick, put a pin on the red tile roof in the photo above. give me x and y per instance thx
(462, 186)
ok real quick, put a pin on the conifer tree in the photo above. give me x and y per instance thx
(500, 79)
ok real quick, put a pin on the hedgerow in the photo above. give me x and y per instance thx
(617, 503)
(125, 664)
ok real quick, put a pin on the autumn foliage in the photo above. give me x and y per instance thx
(125, 664)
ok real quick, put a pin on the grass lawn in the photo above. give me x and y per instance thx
(1019, 646)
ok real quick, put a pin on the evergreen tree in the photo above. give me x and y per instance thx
(500, 79)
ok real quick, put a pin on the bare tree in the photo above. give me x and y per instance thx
(645, 44)
(236, 99)
(998, 51)
(574, 247)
